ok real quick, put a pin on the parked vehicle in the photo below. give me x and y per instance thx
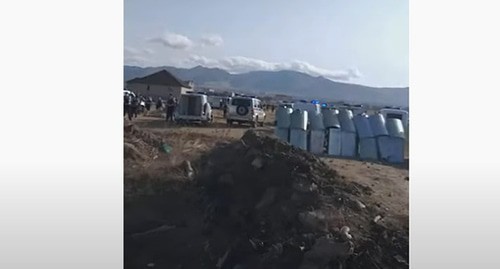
(246, 110)
(193, 107)
(127, 92)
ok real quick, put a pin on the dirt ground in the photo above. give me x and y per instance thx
(166, 222)
(390, 184)
(155, 122)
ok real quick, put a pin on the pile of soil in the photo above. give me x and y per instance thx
(153, 160)
(261, 203)
(139, 145)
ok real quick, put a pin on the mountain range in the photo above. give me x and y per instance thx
(286, 82)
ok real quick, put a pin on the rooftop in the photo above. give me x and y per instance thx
(162, 77)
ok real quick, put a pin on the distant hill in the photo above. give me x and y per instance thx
(281, 82)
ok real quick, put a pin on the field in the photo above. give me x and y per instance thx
(176, 218)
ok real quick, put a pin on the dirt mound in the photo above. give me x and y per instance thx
(265, 204)
(155, 159)
(139, 145)
(284, 208)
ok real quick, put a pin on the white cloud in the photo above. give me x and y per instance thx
(174, 41)
(312, 70)
(211, 40)
(244, 64)
(131, 51)
(133, 56)
(240, 64)
(136, 60)
(201, 60)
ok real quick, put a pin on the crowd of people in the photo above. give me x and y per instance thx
(135, 105)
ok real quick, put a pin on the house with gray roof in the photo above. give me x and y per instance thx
(160, 84)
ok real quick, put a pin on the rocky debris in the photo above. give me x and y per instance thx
(286, 204)
(257, 163)
(266, 204)
(314, 220)
(360, 205)
(344, 233)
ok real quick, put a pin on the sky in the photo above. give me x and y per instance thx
(355, 41)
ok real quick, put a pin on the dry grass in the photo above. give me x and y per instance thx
(141, 174)
(189, 146)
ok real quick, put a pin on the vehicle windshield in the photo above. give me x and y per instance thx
(241, 102)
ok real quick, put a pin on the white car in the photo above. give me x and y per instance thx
(127, 92)
(246, 110)
(193, 107)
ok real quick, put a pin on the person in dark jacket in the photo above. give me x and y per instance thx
(127, 102)
(159, 104)
(149, 101)
(135, 106)
(171, 104)
(130, 106)
(224, 109)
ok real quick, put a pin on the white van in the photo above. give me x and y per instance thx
(246, 110)
(193, 107)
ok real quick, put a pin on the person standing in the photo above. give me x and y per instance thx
(224, 109)
(130, 106)
(159, 104)
(171, 102)
(149, 101)
(135, 106)
(142, 105)
(127, 101)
